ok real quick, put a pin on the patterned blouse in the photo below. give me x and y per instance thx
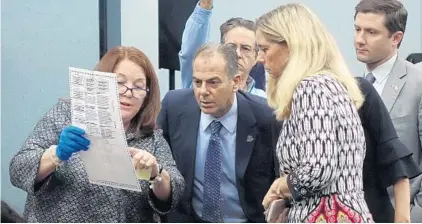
(321, 149)
(67, 196)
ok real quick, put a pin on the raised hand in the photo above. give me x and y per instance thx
(206, 4)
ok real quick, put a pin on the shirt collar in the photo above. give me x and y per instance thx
(228, 120)
(383, 70)
(250, 83)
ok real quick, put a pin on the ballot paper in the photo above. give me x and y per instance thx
(96, 109)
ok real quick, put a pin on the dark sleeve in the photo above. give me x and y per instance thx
(258, 74)
(392, 156)
(276, 127)
(162, 118)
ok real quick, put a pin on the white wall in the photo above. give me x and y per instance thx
(139, 28)
(39, 41)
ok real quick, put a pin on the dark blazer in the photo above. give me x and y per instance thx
(387, 158)
(255, 162)
(258, 74)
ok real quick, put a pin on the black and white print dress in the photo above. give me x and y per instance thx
(321, 149)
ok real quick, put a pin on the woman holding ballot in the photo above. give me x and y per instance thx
(50, 170)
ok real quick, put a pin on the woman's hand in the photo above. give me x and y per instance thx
(272, 194)
(142, 159)
(72, 139)
(278, 190)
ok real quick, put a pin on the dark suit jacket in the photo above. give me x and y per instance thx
(258, 74)
(255, 161)
(387, 158)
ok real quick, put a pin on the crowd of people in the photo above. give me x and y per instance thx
(332, 146)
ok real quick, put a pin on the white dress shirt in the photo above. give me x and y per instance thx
(381, 73)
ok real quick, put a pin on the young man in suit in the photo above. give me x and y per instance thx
(379, 30)
(222, 140)
(387, 159)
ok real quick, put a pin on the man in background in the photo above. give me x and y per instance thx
(237, 32)
(379, 30)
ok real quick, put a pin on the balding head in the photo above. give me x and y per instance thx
(227, 53)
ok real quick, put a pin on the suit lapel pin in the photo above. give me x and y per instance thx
(249, 138)
(396, 88)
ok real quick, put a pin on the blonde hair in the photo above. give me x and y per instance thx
(312, 51)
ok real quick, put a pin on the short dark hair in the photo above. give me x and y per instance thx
(226, 51)
(234, 23)
(144, 121)
(394, 11)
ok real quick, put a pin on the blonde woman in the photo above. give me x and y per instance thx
(321, 147)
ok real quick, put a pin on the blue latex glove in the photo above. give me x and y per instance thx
(71, 140)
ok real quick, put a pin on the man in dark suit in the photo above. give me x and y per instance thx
(222, 140)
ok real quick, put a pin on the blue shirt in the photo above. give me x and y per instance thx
(231, 210)
(196, 34)
(253, 90)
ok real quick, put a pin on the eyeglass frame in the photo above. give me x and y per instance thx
(254, 50)
(131, 90)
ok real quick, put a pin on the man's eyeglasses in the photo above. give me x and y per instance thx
(245, 49)
(137, 92)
